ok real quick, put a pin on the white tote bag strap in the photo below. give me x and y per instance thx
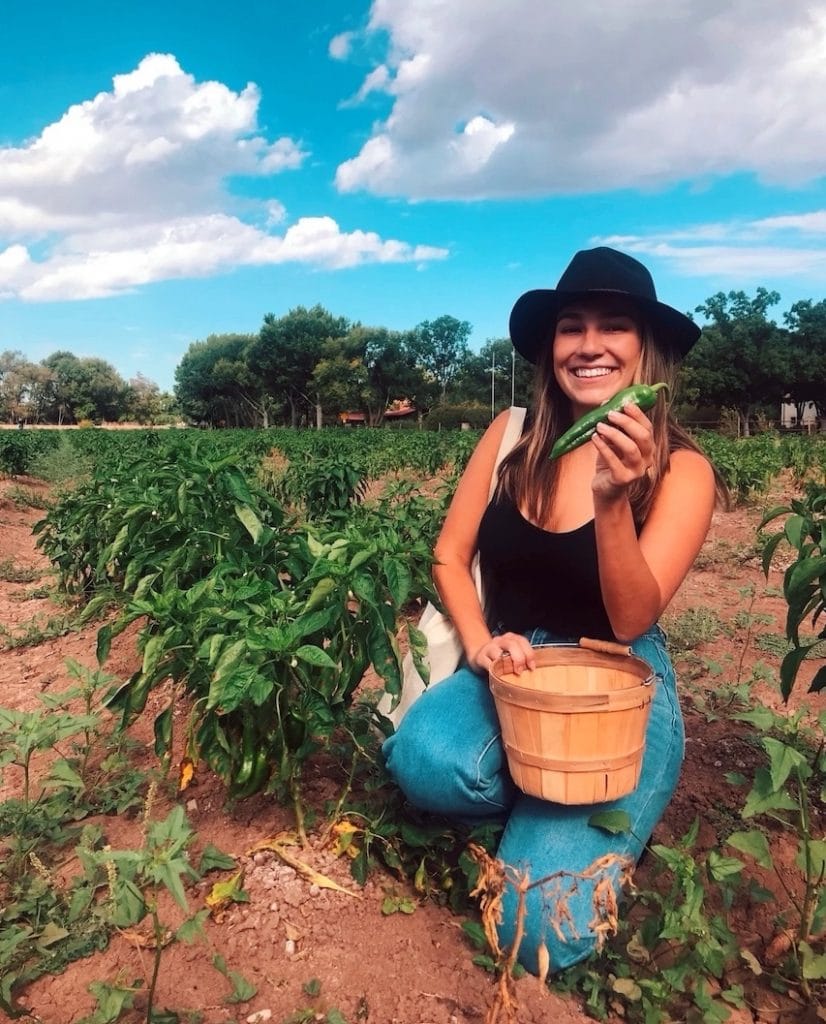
(513, 431)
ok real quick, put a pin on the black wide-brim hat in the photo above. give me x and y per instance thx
(598, 271)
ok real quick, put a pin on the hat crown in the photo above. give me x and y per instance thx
(604, 269)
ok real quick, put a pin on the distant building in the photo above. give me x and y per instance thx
(788, 416)
(352, 419)
(396, 411)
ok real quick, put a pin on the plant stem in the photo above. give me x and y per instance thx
(156, 966)
(298, 809)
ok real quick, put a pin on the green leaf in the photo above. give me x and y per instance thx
(237, 485)
(754, 844)
(129, 906)
(795, 525)
(320, 592)
(251, 522)
(764, 797)
(720, 867)
(614, 822)
(314, 656)
(213, 859)
(811, 858)
(193, 928)
(152, 653)
(104, 643)
(783, 760)
(399, 580)
(790, 666)
(813, 964)
(819, 681)
(801, 575)
(773, 513)
(761, 718)
(163, 732)
(63, 774)
(170, 874)
(476, 933)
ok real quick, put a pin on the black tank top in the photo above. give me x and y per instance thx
(535, 578)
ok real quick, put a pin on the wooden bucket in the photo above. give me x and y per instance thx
(573, 728)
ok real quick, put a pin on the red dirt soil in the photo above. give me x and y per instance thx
(403, 968)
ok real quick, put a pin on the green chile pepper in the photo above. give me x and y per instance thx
(245, 769)
(643, 395)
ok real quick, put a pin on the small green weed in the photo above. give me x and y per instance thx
(25, 497)
(37, 631)
(11, 573)
(691, 628)
(135, 880)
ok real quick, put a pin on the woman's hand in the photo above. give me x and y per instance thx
(625, 447)
(521, 653)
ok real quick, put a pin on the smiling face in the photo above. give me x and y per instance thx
(596, 350)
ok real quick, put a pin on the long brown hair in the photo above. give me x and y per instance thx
(529, 478)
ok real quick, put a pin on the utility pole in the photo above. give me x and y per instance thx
(492, 381)
(513, 375)
(493, 369)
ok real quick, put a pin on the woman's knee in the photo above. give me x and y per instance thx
(446, 755)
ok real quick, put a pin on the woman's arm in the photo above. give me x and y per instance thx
(454, 552)
(640, 575)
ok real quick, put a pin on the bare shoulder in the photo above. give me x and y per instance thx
(690, 466)
(689, 486)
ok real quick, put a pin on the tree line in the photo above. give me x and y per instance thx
(307, 367)
(67, 389)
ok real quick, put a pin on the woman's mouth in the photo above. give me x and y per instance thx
(590, 372)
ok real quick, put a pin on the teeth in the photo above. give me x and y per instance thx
(598, 371)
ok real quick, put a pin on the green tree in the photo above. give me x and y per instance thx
(214, 383)
(18, 379)
(440, 347)
(739, 360)
(143, 400)
(286, 352)
(340, 376)
(84, 389)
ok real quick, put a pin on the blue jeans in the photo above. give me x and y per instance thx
(448, 758)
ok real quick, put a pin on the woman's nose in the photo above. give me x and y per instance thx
(591, 340)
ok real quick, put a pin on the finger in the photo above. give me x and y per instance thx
(624, 447)
(638, 431)
(521, 652)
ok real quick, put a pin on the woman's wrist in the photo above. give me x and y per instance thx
(610, 497)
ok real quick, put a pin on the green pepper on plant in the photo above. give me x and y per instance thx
(643, 395)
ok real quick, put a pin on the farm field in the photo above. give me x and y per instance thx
(305, 940)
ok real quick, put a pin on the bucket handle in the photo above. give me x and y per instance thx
(605, 646)
(599, 646)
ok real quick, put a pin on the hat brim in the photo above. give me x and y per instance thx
(534, 314)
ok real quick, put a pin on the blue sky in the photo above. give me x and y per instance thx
(173, 170)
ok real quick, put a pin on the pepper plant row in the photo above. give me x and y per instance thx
(267, 616)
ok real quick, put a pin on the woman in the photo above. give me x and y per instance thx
(593, 544)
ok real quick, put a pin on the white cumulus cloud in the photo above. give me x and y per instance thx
(591, 96)
(130, 187)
